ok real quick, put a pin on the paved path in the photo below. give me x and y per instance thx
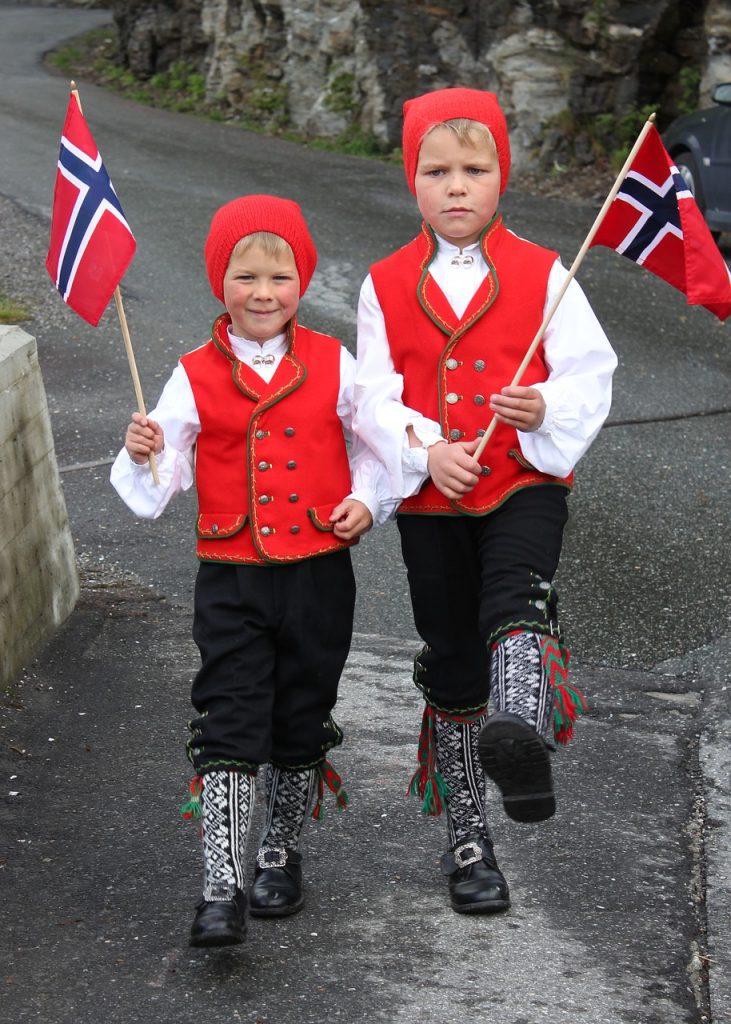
(620, 904)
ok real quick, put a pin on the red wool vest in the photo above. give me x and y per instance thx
(451, 367)
(271, 462)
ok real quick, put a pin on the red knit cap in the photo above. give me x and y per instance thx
(433, 108)
(248, 214)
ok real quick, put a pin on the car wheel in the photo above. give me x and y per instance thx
(688, 170)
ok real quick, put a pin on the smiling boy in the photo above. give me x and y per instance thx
(258, 415)
(443, 324)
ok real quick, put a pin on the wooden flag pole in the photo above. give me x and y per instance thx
(128, 345)
(571, 274)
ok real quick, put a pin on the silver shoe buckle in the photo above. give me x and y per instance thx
(475, 854)
(272, 857)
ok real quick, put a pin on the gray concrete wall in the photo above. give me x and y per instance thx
(38, 580)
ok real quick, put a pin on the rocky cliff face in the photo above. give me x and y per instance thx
(566, 71)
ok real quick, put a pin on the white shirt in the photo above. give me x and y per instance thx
(177, 414)
(578, 392)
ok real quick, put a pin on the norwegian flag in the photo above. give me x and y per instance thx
(91, 242)
(654, 221)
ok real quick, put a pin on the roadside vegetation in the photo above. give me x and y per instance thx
(12, 312)
(604, 140)
(94, 57)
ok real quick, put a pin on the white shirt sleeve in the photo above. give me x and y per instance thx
(381, 418)
(370, 481)
(177, 415)
(578, 392)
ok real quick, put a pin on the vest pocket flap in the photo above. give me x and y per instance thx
(219, 525)
(320, 516)
(520, 459)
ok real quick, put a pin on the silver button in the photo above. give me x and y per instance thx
(260, 434)
(479, 365)
(452, 398)
(480, 433)
(214, 528)
(266, 530)
(479, 399)
(454, 435)
(294, 529)
(264, 499)
(452, 364)
(291, 464)
(263, 465)
(486, 471)
(294, 497)
(289, 431)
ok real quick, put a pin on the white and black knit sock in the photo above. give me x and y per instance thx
(519, 681)
(289, 796)
(459, 765)
(226, 802)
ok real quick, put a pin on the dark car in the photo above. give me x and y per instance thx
(700, 145)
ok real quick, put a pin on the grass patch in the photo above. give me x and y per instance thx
(12, 312)
(94, 57)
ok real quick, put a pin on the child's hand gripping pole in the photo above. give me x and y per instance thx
(571, 274)
(128, 344)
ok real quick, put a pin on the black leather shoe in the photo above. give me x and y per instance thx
(219, 922)
(476, 883)
(277, 887)
(518, 762)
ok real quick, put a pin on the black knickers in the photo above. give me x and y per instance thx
(473, 579)
(273, 641)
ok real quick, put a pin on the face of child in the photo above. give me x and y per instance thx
(261, 293)
(457, 185)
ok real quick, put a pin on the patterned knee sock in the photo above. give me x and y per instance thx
(289, 795)
(459, 765)
(519, 682)
(226, 801)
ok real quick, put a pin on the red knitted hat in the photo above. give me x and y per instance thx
(248, 214)
(424, 112)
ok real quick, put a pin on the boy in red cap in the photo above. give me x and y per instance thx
(443, 325)
(257, 416)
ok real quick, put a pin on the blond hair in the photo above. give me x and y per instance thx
(269, 243)
(467, 131)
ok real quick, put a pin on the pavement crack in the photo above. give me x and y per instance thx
(699, 960)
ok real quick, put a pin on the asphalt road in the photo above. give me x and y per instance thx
(620, 904)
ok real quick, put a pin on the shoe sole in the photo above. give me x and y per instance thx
(491, 907)
(517, 760)
(276, 911)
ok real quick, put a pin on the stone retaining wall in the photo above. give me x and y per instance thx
(38, 581)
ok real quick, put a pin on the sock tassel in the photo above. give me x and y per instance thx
(568, 702)
(327, 776)
(192, 806)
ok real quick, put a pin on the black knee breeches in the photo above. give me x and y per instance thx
(473, 579)
(273, 641)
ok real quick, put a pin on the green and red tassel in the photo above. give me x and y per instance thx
(327, 776)
(568, 702)
(426, 782)
(192, 806)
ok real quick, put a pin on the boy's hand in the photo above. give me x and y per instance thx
(452, 467)
(351, 518)
(143, 438)
(519, 407)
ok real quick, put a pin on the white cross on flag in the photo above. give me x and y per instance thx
(91, 242)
